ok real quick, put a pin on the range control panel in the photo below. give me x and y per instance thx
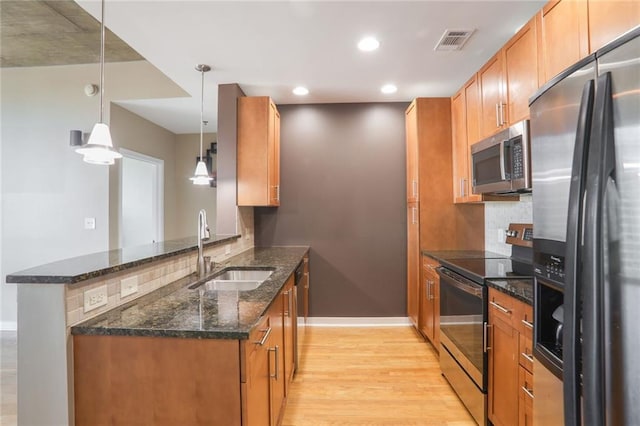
(549, 266)
(520, 234)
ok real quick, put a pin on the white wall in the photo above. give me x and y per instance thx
(47, 190)
(191, 198)
(498, 215)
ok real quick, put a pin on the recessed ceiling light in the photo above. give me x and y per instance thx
(389, 88)
(300, 91)
(368, 44)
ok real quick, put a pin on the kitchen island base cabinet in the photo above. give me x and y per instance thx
(138, 380)
(125, 380)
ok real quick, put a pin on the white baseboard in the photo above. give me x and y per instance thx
(357, 321)
(8, 325)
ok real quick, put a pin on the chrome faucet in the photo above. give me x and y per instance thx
(203, 235)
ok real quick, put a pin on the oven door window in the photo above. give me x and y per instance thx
(462, 317)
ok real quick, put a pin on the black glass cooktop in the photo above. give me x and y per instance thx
(480, 269)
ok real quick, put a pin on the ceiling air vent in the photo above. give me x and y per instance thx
(453, 39)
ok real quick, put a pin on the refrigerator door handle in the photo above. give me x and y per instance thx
(571, 329)
(595, 321)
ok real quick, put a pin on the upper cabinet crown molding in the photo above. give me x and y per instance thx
(258, 152)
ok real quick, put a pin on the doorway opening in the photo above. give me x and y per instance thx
(141, 199)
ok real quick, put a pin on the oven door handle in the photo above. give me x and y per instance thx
(460, 282)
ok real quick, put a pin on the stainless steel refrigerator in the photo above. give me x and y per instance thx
(585, 150)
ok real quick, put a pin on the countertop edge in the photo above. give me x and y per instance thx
(511, 293)
(18, 278)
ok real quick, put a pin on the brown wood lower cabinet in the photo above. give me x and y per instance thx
(510, 358)
(125, 380)
(429, 316)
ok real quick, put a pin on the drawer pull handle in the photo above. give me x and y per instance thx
(276, 350)
(528, 392)
(501, 308)
(265, 336)
(527, 357)
(527, 323)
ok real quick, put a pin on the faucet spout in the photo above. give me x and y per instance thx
(203, 235)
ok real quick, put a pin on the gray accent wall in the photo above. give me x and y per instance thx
(343, 193)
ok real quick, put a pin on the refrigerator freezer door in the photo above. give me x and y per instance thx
(622, 232)
(554, 119)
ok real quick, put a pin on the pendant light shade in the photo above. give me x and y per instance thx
(99, 148)
(201, 175)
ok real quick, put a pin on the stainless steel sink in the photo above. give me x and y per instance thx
(228, 285)
(235, 279)
(243, 275)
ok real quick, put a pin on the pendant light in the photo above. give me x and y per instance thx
(99, 148)
(201, 176)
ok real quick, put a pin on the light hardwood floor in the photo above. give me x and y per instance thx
(347, 376)
(8, 378)
(370, 376)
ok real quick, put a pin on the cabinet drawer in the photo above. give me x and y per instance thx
(525, 398)
(525, 319)
(525, 352)
(503, 307)
(258, 335)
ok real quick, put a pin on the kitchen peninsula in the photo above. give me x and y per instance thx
(53, 298)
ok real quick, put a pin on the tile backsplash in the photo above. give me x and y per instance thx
(498, 215)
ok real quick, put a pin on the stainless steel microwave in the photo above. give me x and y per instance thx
(501, 164)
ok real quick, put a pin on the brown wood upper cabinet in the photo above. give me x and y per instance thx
(258, 152)
(411, 123)
(563, 36)
(521, 71)
(493, 102)
(608, 19)
(464, 126)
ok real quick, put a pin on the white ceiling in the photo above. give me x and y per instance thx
(269, 47)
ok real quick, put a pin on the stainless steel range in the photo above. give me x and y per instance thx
(463, 317)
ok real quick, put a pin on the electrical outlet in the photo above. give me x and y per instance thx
(227, 249)
(501, 237)
(89, 223)
(95, 298)
(128, 286)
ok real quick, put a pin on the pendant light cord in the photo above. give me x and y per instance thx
(102, 64)
(201, 112)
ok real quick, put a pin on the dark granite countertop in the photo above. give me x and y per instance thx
(441, 255)
(94, 265)
(521, 289)
(178, 311)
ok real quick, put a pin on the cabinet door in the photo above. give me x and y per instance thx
(521, 64)
(525, 398)
(503, 373)
(274, 155)
(436, 312)
(493, 115)
(426, 305)
(256, 399)
(413, 259)
(564, 35)
(609, 19)
(472, 114)
(276, 360)
(411, 122)
(459, 148)
(258, 162)
(288, 316)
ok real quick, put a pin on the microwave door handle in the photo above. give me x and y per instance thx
(502, 168)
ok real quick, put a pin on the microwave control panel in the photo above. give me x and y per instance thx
(549, 266)
(517, 159)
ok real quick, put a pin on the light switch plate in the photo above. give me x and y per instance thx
(128, 286)
(95, 298)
